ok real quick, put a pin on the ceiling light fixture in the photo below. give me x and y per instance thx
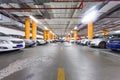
(90, 16)
(33, 18)
(75, 27)
(71, 31)
(118, 31)
(45, 27)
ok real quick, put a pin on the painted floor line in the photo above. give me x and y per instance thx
(61, 74)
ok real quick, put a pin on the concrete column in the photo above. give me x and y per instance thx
(75, 34)
(46, 34)
(90, 30)
(34, 30)
(27, 28)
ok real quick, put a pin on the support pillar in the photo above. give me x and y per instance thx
(27, 28)
(75, 34)
(46, 34)
(90, 30)
(34, 30)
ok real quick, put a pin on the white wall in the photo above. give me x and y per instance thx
(15, 32)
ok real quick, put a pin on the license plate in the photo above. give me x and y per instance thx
(19, 45)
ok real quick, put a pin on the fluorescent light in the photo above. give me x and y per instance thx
(71, 31)
(118, 31)
(33, 18)
(75, 27)
(45, 27)
(90, 16)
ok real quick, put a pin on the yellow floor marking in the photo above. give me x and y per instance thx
(61, 74)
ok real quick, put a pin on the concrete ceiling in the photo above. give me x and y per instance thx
(61, 16)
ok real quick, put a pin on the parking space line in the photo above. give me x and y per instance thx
(61, 74)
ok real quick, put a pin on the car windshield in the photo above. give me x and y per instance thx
(114, 36)
(98, 37)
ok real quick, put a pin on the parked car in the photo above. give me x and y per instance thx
(41, 42)
(29, 43)
(8, 43)
(101, 41)
(114, 43)
(78, 42)
(84, 41)
(72, 41)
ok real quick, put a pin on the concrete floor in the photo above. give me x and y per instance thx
(42, 62)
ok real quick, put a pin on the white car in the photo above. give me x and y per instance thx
(101, 41)
(84, 41)
(8, 43)
(98, 42)
(41, 42)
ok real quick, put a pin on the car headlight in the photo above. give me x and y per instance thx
(108, 41)
(3, 42)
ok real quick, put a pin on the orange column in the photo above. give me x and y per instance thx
(75, 34)
(27, 28)
(34, 30)
(90, 30)
(46, 34)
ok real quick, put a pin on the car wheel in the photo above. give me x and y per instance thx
(113, 49)
(86, 43)
(102, 45)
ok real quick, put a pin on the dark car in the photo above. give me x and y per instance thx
(114, 43)
(29, 43)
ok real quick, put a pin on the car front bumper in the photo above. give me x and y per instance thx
(113, 46)
(93, 44)
(9, 47)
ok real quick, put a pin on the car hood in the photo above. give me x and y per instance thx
(115, 39)
(9, 38)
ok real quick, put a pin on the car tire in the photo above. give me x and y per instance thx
(102, 45)
(113, 49)
(86, 43)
